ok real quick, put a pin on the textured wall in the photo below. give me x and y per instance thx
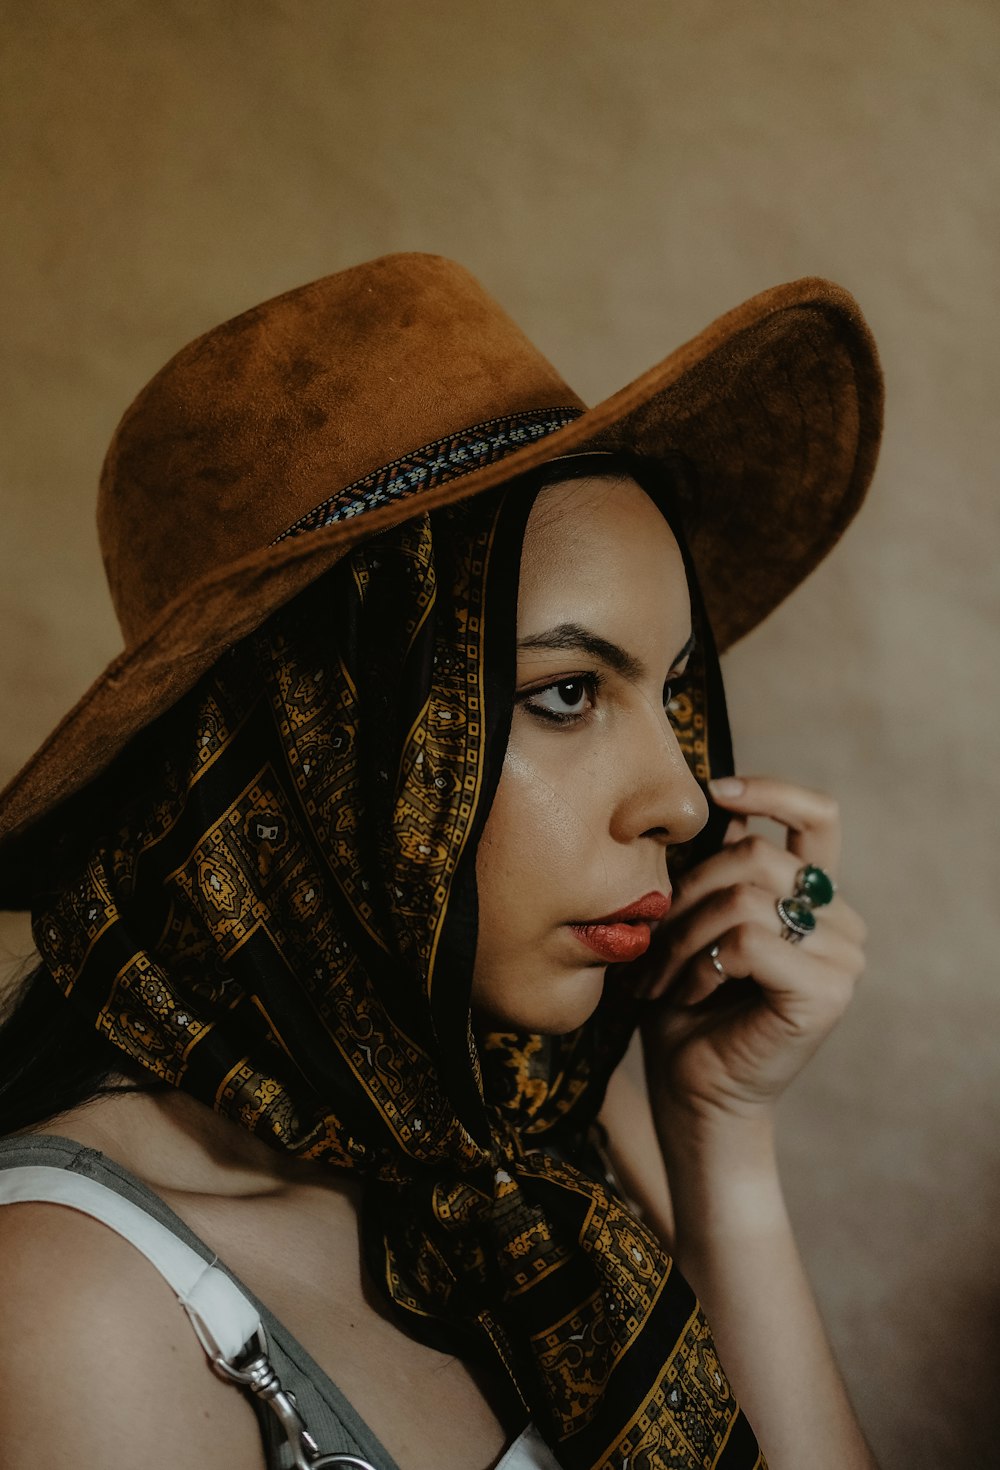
(617, 174)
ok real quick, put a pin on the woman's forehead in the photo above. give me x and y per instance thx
(589, 507)
(600, 549)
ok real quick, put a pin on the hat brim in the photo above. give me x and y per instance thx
(772, 416)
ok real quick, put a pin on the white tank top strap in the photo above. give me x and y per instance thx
(225, 1321)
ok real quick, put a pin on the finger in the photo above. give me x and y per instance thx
(735, 908)
(736, 831)
(708, 973)
(811, 817)
(806, 989)
(755, 859)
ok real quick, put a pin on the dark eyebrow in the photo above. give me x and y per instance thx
(572, 636)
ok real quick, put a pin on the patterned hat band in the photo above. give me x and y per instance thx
(434, 464)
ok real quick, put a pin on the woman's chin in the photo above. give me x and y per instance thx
(551, 1007)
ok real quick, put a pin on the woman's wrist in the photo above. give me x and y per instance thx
(723, 1173)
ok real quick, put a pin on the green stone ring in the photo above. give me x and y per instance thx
(814, 885)
(798, 918)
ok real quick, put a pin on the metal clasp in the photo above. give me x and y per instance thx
(256, 1372)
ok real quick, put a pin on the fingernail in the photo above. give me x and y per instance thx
(726, 786)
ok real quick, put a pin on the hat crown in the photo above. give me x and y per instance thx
(253, 425)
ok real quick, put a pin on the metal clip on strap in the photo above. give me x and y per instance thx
(256, 1372)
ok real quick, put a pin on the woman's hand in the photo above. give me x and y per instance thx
(719, 1052)
(728, 1048)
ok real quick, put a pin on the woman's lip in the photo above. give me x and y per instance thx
(651, 906)
(626, 934)
(616, 943)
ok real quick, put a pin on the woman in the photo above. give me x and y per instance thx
(367, 843)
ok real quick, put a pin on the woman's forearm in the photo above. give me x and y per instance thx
(735, 1245)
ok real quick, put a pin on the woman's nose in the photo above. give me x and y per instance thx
(663, 800)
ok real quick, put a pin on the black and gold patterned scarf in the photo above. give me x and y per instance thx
(281, 919)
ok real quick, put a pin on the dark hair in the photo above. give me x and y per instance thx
(53, 1060)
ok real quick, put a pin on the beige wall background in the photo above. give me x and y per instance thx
(617, 174)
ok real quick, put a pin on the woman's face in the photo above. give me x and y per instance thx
(594, 785)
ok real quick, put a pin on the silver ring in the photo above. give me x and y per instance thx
(797, 918)
(713, 955)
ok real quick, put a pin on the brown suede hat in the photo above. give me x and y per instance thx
(269, 446)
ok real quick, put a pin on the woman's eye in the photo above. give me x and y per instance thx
(564, 702)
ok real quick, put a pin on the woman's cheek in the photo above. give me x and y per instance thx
(530, 864)
(533, 864)
(546, 821)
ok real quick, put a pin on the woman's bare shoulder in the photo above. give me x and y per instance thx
(98, 1362)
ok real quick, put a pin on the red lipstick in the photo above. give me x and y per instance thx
(623, 935)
